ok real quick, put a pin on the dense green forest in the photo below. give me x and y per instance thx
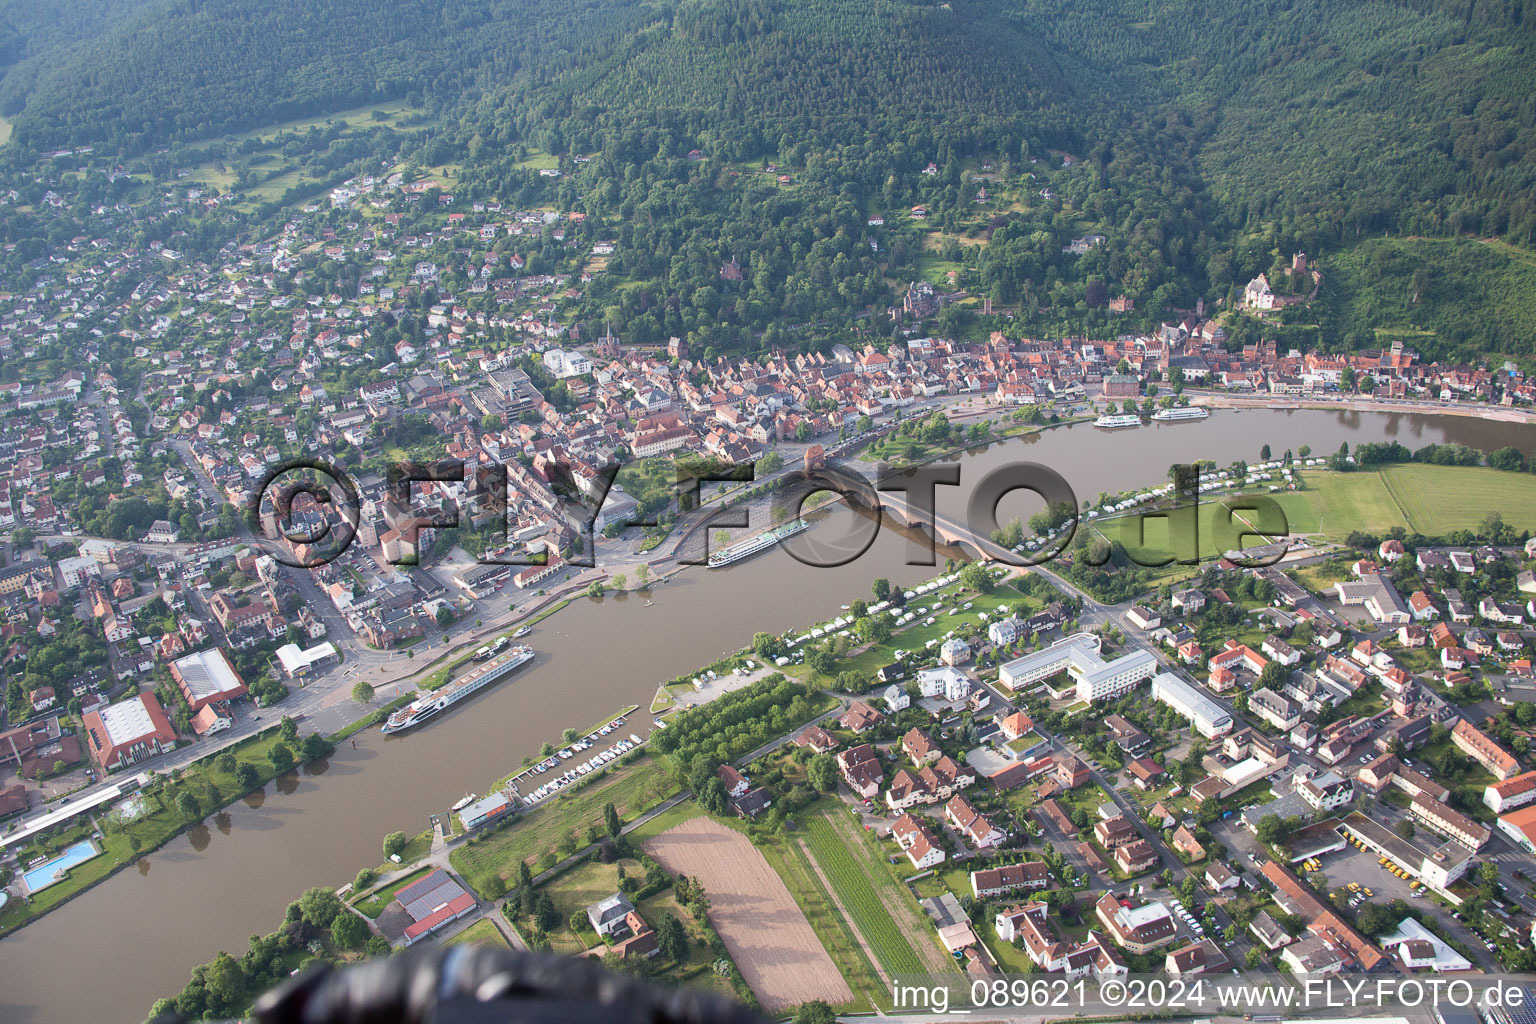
(1469, 295)
(1323, 117)
(1206, 139)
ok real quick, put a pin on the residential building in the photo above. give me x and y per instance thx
(1482, 748)
(1138, 929)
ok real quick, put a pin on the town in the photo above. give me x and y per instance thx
(1086, 767)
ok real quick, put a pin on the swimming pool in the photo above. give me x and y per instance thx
(44, 875)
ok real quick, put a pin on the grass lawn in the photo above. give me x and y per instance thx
(1155, 534)
(577, 889)
(416, 847)
(1352, 501)
(374, 905)
(1432, 500)
(914, 636)
(632, 789)
(669, 818)
(1439, 499)
(481, 933)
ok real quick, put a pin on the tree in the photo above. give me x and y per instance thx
(1507, 458)
(365, 878)
(823, 773)
(671, 939)
(189, 806)
(873, 629)
(246, 776)
(611, 819)
(642, 576)
(620, 581)
(362, 692)
(444, 616)
(348, 930)
(881, 588)
(1274, 676)
(225, 762)
(766, 645)
(288, 729)
(545, 916)
(1254, 958)
(804, 432)
(376, 946)
(313, 747)
(1264, 453)
(976, 577)
(1273, 830)
(281, 756)
(394, 844)
(815, 1012)
(224, 981)
(318, 907)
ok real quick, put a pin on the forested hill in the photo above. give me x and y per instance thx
(1352, 116)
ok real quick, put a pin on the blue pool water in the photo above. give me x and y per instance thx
(44, 875)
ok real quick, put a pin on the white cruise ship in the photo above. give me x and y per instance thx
(423, 708)
(1114, 422)
(753, 545)
(1189, 412)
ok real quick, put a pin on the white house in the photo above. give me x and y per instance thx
(946, 683)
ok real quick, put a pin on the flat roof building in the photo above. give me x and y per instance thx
(122, 734)
(1209, 718)
(297, 663)
(431, 903)
(207, 677)
(1079, 656)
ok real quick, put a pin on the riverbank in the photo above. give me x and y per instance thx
(167, 807)
(1498, 413)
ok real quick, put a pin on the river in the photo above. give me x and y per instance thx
(214, 887)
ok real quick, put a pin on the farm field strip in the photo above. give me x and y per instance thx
(883, 909)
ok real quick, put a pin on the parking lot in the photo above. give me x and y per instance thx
(1363, 866)
(1355, 865)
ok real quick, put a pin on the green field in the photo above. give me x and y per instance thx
(790, 861)
(1431, 500)
(881, 907)
(1439, 499)
(863, 896)
(481, 933)
(632, 790)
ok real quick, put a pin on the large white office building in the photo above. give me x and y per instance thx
(1208, 717)
(1079, 655)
